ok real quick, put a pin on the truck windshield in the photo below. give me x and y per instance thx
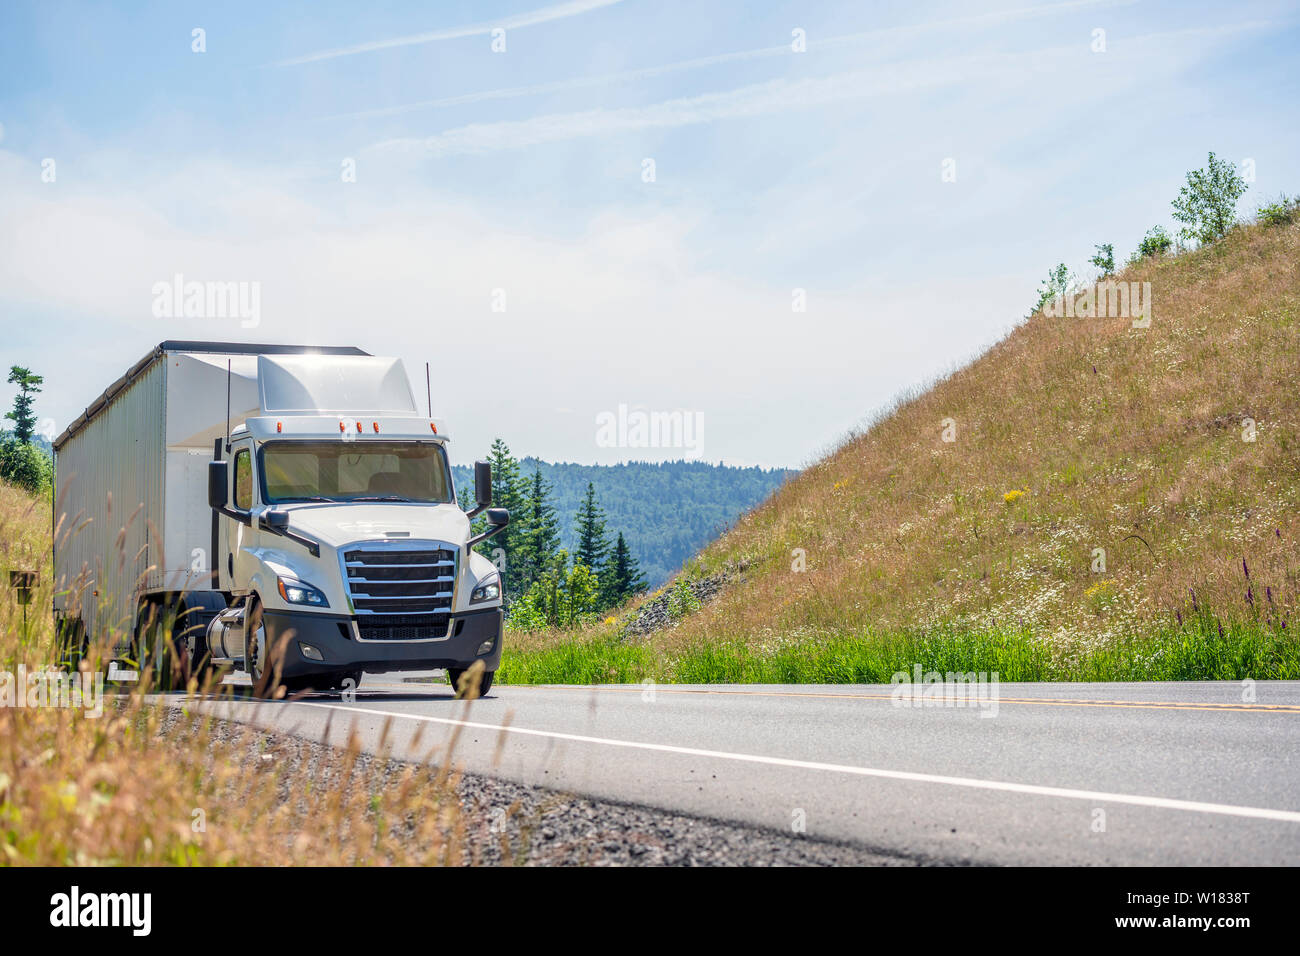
(354, 471)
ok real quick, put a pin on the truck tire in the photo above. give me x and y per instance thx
(197, 611)
(256, 652)
(73, 643)
(265, 678)
(484, 683)
(154, 646)
(199, 661)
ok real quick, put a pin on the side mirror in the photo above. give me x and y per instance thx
(482, 484)
(498, 518)
(276, 520)
(218, 484)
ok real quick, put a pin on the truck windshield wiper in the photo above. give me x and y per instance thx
(381, 498)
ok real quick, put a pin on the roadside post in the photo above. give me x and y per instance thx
(22, 583)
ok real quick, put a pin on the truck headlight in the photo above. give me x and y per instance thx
(489, 590)
(297, 592)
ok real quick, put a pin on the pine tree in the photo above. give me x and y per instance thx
(540, 530)
(22, 416)
(593, 541)
(624, 577)
(507, 492)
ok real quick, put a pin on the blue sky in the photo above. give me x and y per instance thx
(522, 170)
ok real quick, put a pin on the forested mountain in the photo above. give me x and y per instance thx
(667, 511)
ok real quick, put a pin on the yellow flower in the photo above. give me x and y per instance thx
(611, 619)
(1012, 495)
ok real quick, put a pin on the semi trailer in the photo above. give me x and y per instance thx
(283, 510)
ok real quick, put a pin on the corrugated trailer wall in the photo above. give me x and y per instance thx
(109, 506)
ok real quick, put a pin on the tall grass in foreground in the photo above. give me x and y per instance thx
(1202, 648)
(119, 790)
(143, 784)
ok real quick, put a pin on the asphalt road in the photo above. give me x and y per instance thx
(1184, 773)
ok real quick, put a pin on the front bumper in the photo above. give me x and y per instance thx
(335, 638)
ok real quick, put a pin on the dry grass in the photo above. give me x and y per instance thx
(1128, 440)
(120, 790)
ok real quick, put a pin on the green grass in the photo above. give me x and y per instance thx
(1200, 649)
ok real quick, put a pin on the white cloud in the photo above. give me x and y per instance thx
(620, 313)
(886, 80)
(747, 101)
(737, 56)
(544, 15)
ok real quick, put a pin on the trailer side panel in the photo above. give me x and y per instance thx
(109, 505)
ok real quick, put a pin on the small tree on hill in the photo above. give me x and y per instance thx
(593, 541)
(25, 465)
(1207, 204)
(623, 578)
(22, 416)
(1105, 258)
(1155, 243)
(1056, 284)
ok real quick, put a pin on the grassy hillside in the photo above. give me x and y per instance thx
(667, 510)
(1071, 435)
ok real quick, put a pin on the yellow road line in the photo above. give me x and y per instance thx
(815, 695)
(1048, 701)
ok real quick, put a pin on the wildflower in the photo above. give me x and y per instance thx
(1012, 495)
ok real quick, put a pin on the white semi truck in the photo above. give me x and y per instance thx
(285, 510)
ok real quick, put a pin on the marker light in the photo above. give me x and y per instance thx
(342, 427)
(359, 428)
(279, 427)
(433, 428)
(376, 427)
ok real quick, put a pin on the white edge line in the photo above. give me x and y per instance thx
(1097, 796)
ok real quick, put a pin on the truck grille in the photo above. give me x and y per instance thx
(401, 595)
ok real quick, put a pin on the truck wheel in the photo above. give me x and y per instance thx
(73, 643)
(200, 663)
(484, 683)
(155, 646)
(257, 653)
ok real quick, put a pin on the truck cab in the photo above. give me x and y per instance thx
(342, 549)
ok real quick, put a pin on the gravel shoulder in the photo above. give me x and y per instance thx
(515, 824)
